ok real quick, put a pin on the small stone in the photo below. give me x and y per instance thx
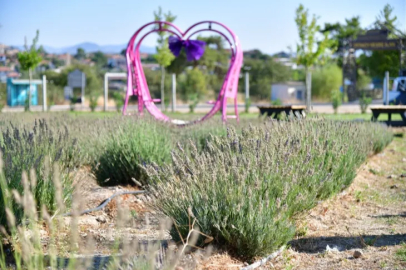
(101, 219)
(403, 175)
(357, 254)
(404, 159)
(394, 187)
(392, 176)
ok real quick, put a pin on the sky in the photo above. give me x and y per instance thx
(267, 25)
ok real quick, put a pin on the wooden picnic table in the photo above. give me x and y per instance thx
(389, 109)
(275, 110)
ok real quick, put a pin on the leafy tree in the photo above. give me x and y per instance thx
(80, 54)
(262, 74)
(57, 62)
(326, 80)
(193, 87)
(29, 59)
(41, 50)
(123, 52)
(164, 56)
(310, 49)
(386, 20)
(340, 34)
(377, 62)
(99, 58)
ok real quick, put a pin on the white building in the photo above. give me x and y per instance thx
(288, 92)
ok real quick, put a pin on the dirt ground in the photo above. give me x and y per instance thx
(368, 217)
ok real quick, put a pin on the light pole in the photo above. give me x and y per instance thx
(247, 88)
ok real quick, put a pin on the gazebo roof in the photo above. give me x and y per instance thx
(16, 81)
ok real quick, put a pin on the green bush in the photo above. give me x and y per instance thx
(325, 81)
(276, 102)
(93, 102)
(247, 105)
(245, 189)
(24, 149)
(364, 102)
(133, 144)
(336, 99)
(118, 99)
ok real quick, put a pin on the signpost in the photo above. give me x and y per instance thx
(44, 93)
(77, 79)
(372, 40)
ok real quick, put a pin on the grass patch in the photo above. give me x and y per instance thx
(401, 253)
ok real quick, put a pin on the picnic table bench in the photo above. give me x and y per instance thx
(389, 109)
(275, 110)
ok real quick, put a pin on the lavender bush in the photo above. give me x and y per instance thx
(244, 189)
(39, 149)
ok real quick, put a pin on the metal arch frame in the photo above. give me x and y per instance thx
(137, 84)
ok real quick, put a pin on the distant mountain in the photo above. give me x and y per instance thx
(92, 47)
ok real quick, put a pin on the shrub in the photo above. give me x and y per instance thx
(132, 145)
(93, 102)
(326, 80)
(247, 105)
(118, 99)
(194, 100)
(336, 99)
(276, 102)
(244, 189)
(37, 149)
(364, 102)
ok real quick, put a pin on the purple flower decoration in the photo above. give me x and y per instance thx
(194, 48)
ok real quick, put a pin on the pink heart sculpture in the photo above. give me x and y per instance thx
(137, 84)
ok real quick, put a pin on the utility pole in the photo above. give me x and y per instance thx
(44, 93)
(173, 92)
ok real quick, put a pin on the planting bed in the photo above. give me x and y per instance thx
(211, 190)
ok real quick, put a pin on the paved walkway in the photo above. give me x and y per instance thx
(202, 108)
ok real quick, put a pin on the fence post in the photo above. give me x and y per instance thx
(44, 93)
(173, 92)
(247, 86)
(105, 91)
(386, 87)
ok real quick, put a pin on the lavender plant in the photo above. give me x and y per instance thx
(37, 148)
(245, 189)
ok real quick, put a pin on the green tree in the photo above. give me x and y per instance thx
(377, 62)
(28, 60)
(99, 58)
(263, 72)
(80, 54)
(326, 80)
(163, 56)
(340, 34)
(193, 87)
(310, 49)
(386, 20)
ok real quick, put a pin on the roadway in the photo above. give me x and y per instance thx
(351, 107)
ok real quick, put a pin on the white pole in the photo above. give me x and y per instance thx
(173, 92)
(44, 93)
(83, 89)
(386, 88)
(105, 91)
(308, 89)
(247, 85)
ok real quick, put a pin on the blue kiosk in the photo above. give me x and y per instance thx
(17, 91)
